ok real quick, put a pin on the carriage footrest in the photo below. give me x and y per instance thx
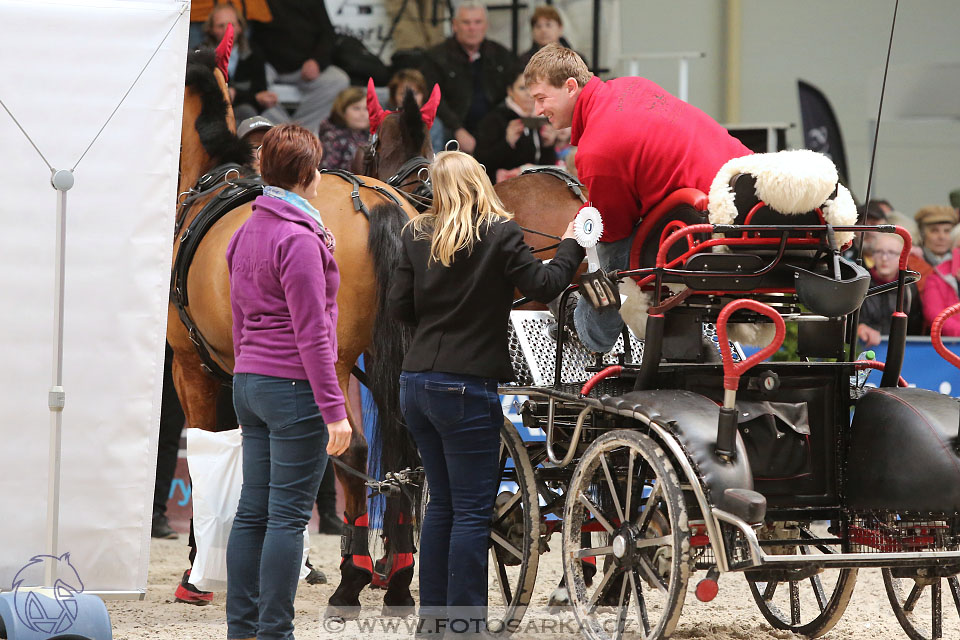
(748, 505)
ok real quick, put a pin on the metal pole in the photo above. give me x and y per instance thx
(684, 79)
(62, 181)
(596, 36)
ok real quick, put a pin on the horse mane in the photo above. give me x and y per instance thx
(217, 140)
(411, 121)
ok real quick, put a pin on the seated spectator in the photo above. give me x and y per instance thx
(941, 289)
(936, 222)
(546, 27)
(876, 313)
(200, 10)
(298, 44)
(403, 80)
(509, 136)
(892, 216)
(347, 129)
(246, 71)
(252, 130)
(473, 74)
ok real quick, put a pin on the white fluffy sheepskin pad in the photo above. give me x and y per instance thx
(791, 182)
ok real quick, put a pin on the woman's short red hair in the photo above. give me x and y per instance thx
(290, 156)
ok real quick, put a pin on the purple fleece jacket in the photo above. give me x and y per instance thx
(283, 291)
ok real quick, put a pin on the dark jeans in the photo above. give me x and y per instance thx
(284, 454)
(455, 421)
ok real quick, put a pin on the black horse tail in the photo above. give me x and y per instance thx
(391, 447)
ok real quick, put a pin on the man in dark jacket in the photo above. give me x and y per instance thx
(298, 43)
(473, 74)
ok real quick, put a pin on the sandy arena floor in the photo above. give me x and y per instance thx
(731, 616)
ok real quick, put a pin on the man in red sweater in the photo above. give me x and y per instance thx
(636, 144)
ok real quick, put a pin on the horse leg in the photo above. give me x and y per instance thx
(356, 567)
(398, 601)
(198, 397)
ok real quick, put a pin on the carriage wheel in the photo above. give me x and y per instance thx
(918, 603)
(626, 490)
(799, 601)
(514, 533)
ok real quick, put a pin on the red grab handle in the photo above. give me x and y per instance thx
(613, 370)
(937, 340)
(879, 366)
(732, 371)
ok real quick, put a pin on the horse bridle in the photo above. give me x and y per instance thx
(572, 183)
(409, 173)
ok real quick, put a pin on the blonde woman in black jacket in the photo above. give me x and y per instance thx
(460, 263)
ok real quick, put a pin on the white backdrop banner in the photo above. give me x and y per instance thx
(65, 67)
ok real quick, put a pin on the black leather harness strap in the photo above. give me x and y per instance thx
(228, 194)
(353, 540)
(572, 183)
(357, 184)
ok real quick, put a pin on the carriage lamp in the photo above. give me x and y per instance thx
(727, 421)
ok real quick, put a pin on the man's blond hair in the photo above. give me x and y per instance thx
(555, 63)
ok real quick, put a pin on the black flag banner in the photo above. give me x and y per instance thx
(821, 131)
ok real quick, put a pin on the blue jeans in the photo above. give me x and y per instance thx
(598, 329)
(455, 421)
(284, 454)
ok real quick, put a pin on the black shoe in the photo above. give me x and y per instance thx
(316, 577)
(161, 529)
(330, 524)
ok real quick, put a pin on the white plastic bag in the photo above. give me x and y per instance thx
(215, 460)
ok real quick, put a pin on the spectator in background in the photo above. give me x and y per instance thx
(298, 44)
(895, 217)
(941, 289)
(877, 311)
(246, 73)
(936, 222)
(546, 27)
(473, 74)
(252, 130)
(346, 129)
(200, 10)
(955, 199)
(510, 136)
(417, 24)
(403, 80)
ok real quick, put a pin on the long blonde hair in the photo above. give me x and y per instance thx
(463, 202)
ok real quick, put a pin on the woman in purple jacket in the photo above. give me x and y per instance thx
(283, 290)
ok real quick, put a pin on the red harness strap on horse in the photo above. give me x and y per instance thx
(353, 543)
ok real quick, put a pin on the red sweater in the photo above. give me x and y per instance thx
(636, 144)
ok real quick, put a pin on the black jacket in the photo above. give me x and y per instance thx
(447, 64)
(460, 313)
(877, 311)
(494, 151)
(526, 55)
(300, 30)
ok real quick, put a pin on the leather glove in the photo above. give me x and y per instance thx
(600, 290)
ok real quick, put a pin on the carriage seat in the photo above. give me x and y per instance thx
(903, 453)
(692, 418)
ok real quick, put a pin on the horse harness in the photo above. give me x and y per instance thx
(572, 183)
(408, 174)
(230, 190)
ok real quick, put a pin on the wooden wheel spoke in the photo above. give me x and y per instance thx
(955, 591)
(592, 603)
(627, 499)
(818, 592)
(653, 542)
(652, 575)
(622, 609)
(594, 551)
(641, 604)
(502, 542)
(507, 507)
(613, 488)
(914, 596)
(936, 610)
(648, 509)
(794, 603)
(769, 590)
(503, 581)
(595, 511)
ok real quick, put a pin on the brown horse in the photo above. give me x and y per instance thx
(366, 252)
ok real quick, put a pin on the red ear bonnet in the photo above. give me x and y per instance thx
(223, 51)
(374, 110)
(429, 110)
